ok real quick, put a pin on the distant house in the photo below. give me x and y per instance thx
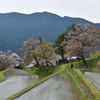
(74, 58)
(30, 66)
(19, 66)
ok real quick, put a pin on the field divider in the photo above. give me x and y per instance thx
(2, 77)
(88, 89)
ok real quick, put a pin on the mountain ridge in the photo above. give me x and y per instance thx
(45, 12)
(15, 27)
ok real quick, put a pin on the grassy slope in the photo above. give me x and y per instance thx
(43, 71)
(2, 78)
(81, 81)
(93, 64)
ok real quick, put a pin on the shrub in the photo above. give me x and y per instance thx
(43, 71)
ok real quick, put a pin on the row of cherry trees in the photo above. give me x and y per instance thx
(80, 40)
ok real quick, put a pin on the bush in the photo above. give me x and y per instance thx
(43, 71)
(96, 55)
(94, 60)
(19, 67)
(78, 65)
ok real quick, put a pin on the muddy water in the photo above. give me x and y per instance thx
(16, 80)
(55, 88)
(94, 78)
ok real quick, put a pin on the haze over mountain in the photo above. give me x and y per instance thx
(16, 27)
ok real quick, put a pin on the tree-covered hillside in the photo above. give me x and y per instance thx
(16, 27)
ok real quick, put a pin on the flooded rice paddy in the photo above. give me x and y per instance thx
(55, 88)
(16, 80)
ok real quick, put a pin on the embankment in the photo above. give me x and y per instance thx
(88, 90)
(2, 78)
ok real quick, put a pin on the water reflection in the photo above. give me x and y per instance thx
(56, 88)
(16, 80)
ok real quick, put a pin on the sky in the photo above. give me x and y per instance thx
(87, 9)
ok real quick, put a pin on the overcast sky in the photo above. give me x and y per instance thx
(87, 9)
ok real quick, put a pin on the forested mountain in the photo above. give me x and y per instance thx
(16, 27)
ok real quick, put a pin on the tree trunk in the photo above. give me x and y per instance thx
(83, 59)
(50, 63)
(42, 64)
(46, 62)
(62, 54)
(2, 65)
(37, 63)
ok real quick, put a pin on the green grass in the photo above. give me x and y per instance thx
(96, 70)
(43, 71)
(83, 83)
(77, 82)
(91, 87)
(2, 78)
(93, 64)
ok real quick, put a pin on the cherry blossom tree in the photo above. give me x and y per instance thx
(46, 52)
(38, 51)
(83, 40)
(60, 38)
(8, 59)
(30, 52)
